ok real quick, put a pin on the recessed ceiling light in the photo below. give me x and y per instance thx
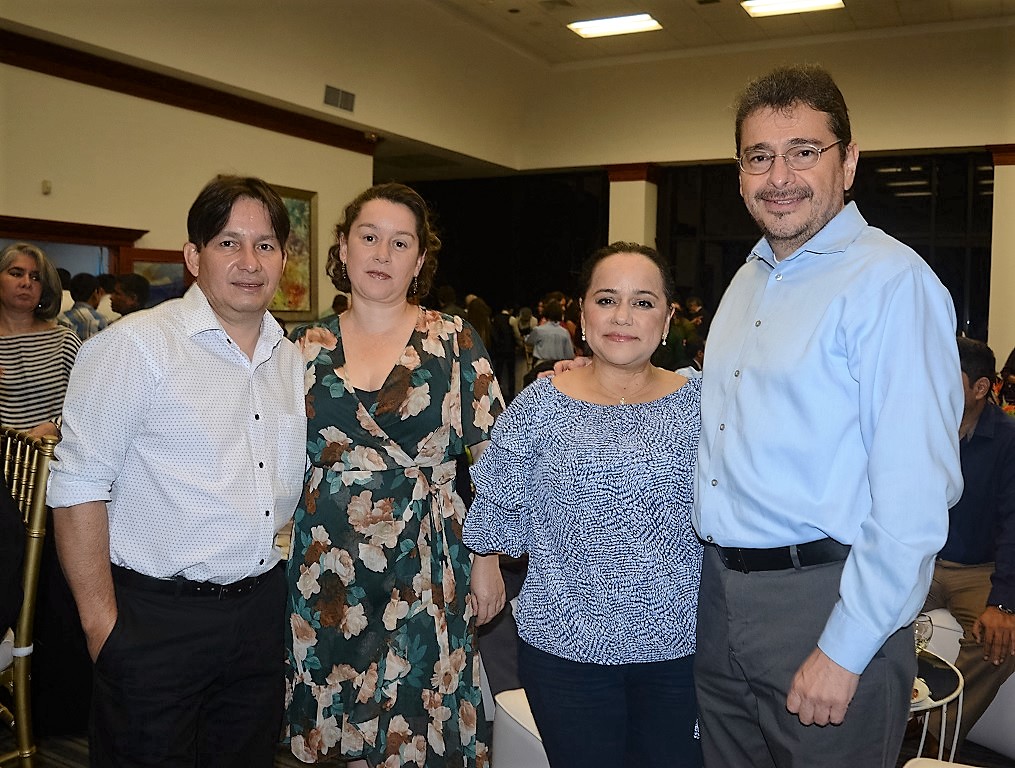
(758, 8)
(618, 25)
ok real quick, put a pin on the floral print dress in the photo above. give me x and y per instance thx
(382, 646)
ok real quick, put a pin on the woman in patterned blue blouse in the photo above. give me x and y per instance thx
(591, 474)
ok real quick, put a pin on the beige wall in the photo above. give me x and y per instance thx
(418, 72)
(1001, 329)
(633, 211)
(120, 161)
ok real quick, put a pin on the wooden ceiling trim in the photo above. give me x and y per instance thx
(59, 61)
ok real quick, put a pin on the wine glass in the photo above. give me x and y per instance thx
(923, 629)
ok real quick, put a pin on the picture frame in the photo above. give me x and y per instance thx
(296, 296)
(165, 271)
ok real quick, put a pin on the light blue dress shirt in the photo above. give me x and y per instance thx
(830, 407)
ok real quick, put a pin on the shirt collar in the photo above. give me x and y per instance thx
(199, 317)
(986, 425)
(834, 237)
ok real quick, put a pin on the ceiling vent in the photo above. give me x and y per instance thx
(336, 97)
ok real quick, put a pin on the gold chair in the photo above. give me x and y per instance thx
(25, 463)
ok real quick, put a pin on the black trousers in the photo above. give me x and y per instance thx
(191, 681)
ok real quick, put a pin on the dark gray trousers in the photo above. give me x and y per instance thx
(754, 632)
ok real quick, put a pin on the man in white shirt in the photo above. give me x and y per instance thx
(170, 489)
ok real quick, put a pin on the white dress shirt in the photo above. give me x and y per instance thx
(198, 450)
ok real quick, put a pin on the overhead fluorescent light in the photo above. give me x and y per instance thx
(757, 8)
(618, 25)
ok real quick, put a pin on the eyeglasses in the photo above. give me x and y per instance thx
(799, 158)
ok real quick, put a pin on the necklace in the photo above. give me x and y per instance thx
(629, 395)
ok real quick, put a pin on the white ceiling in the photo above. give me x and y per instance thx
(537, 27)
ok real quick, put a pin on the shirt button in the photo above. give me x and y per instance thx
(260, 464)
(757, 323)
(715, 483)
(709, 538)
(722, 427)
(257, 416)
(261, 561)
(267, 513)
(779, 276)
(736, 373)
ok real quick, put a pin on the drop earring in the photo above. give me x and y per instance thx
(415, 285)
(583, 333)
(345, 274)
(664, 340)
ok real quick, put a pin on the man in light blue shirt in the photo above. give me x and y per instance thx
(828, 456)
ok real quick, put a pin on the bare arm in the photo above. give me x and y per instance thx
(486, 587)
(82, 541)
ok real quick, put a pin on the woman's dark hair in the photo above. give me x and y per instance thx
(589, 267)
(426, 236)
(785, 87)
(52, 290)
(210, 211)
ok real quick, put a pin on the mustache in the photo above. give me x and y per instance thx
(778, 195)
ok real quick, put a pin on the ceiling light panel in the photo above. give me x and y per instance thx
(759, 8)
(618, 25)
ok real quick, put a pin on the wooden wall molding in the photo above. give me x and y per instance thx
(59, 61)
(17, 228)
(1004, 154)
(634, 172)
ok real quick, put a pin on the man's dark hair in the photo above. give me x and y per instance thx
(83, 285)
(977, 360)
(785, 87)
(553, 311)
(64, 278)
(107, 282)
(134, 285)
(210, 212)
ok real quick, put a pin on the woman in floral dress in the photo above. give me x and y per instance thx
(382, 656)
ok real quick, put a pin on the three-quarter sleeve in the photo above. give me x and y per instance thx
(482, 401)
(498, 519)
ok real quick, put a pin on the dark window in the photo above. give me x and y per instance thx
(940, 204)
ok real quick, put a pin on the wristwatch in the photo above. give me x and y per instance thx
(1003, 608)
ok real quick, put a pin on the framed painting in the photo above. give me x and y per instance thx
(296, 297)
(167, 275)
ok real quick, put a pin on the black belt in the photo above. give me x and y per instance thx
(181, 587)
(795, 556)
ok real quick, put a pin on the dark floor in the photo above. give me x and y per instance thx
(72, 752)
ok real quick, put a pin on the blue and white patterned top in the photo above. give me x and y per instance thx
(600, 497)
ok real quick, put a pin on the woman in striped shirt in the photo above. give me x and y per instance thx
(36, 354)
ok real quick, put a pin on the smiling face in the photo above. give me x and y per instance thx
(21, 285)
(239, 269)
(792, 206)
(624, 312)
(382, 253)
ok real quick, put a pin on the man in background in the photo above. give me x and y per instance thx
(83, 318)
(130, 293)
(974, 576)
(168, 494)
(105, 308)
(828, 458)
